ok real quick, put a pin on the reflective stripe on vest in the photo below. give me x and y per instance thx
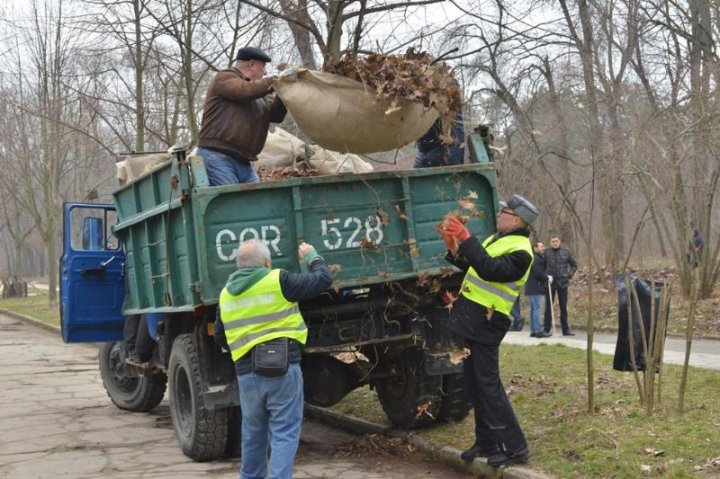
(259, 314)
(493, 294)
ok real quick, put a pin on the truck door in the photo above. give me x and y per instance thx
(92, 282)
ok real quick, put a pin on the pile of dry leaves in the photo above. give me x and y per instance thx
(414, 76)
(281, 173)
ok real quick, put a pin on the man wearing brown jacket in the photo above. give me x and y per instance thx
(236, 119)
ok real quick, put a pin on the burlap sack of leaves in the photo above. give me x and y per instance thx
(132, 166)
(343, 115)
(281, 149)
(331, 163)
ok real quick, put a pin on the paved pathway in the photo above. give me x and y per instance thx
(704, 353)
(57, 422)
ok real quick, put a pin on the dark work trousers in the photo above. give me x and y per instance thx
(562, 295)
(137, 337)
(495, 420)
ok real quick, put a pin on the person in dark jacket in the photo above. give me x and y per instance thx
(236, 118)
(560, 267)
(536, 289)
(495, 272)
(695, 249)
(258, 313)
(431, 151)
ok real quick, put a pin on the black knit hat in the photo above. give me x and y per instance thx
(252, 53)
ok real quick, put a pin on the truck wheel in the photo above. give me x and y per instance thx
(131, 393)
(202, 433)
(412, 398)
(455, 404)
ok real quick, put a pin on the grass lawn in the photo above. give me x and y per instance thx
(34, 305)
(547, 386)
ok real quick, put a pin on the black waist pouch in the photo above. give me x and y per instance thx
(271, 358)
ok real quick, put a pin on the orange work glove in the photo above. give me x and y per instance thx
(450, 242)
(456, 229)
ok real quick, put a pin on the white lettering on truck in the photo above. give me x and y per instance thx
(270, 234)
(354, 231)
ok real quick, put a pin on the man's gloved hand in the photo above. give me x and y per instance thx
(307, 253)
(450, 242)
(456, 229)
(550, 279)
(290, 73)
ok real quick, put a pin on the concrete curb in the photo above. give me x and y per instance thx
(445, 454)
(29, 319)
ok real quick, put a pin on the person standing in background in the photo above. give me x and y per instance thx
(560, 265)
(536, 290)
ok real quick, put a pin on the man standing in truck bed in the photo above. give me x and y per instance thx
(260, 323)
(236, 119)
(495, 272)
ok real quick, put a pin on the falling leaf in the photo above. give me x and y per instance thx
(467, 204)
(424, 409)
(384, 217)
(457, 356)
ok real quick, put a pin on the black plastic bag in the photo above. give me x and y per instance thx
(645, 294)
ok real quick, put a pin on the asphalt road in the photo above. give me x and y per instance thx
(57, 422)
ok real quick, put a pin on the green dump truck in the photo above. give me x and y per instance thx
(168, 244)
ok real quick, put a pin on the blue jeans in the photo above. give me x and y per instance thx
(272, 412)
(535, 301)
(226, 170)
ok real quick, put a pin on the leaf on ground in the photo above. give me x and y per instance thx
(649, 451)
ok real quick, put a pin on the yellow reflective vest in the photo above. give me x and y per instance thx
(259, 314)
(493, 294)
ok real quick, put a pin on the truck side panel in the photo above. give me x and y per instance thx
(375, 227)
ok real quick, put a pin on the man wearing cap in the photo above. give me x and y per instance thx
(495, 272)
(236, 118)
(560, 267)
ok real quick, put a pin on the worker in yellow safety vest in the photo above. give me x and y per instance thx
(260, 324)
(495, 272)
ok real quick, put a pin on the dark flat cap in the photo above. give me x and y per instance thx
(252, 53)
(522, 207)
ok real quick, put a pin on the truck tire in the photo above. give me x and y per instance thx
(201, 432)
(412, 398)
(131, 393)
(455, 404)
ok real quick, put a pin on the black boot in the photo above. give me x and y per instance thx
(506, 458)
(478, 450)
